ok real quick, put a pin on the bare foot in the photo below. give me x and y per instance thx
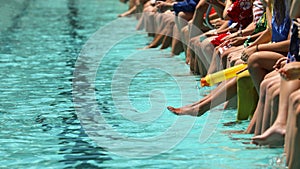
(250, 129)
(192, 111)
(122, 15)
(166, 42)
(152, 45)
(273, 137)
(156, 41)
(187, 60)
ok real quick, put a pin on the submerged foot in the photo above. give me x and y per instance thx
(273, 137)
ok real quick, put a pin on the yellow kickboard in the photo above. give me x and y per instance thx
(247, 96)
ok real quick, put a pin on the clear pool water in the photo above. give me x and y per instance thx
(39, 44)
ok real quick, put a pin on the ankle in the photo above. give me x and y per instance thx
(280, 124)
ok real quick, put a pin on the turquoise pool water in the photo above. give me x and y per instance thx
(40, 128)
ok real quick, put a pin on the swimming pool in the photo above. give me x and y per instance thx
(40, 44)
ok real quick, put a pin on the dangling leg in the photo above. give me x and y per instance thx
(221, 94)
(274, 136)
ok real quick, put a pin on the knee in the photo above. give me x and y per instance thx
(272, 83)
(297, 112)
(181, 15)
(271, 87)
(185, 29)
(194, 40)
(294, 99)
(150, 14)
(185, 16)
(269, 91)
(263, 85)
(224, 55)
(148, 9)
(253, 61)
(171, 21)
(206, 45)
(165, 19)
(238, 62)
(230, 59)
(216, 50)
(201, 7)
(275, 93)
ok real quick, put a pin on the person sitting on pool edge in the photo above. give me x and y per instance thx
(168, 33)
(226, 89)
(290, 83)
(135, 6)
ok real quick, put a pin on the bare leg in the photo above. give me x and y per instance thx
(188, 54)
(261, 102)
(198, 62)
(251, 127)
(191, 52)
(234, 58)
(149, 22)
(230, 54)
(271, 88)
(157, 40)
(190, 47)
(207, 97)
(260, 106)
(183, 18)
(207, 50)
(185, 38)
(178, 40)
(198, 19)
(177, 47)
(196, 26)
(167, 41)
(147, 9)
(215, 62)
(199, 52)
(222, 94)
(141, 23)
(155, 20)
(201, 67)
(261, 63)
(274, 105)
(292, 139)
(130, 11)
(274, 136)
(166, 24)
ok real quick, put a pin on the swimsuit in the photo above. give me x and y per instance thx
(185, 6)
(293, 54)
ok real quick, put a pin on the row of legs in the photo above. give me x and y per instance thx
(276, 118)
